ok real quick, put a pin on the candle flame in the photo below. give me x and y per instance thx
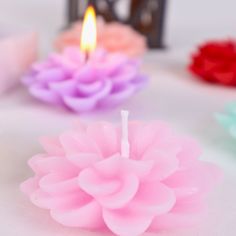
(89, 31)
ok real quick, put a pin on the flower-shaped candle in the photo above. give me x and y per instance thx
(130, 179)
(228, 119)
(17, 53)
(215, 62)
(112, 36)
(85, 79)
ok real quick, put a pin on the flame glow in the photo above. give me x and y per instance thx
(89, 31)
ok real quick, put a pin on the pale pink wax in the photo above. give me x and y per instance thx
(90, 178)
(17, 53)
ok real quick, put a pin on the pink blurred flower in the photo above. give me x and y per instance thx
(114, 37)
(84, 182)
(17, 53)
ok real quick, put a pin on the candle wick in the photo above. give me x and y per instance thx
(86, 56)
(124, 136)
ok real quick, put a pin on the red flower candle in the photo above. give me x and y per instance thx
(215, 62)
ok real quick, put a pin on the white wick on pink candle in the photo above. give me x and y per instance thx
(124, 134)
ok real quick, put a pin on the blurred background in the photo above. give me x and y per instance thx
(188, 21)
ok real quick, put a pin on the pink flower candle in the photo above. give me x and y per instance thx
(114, 37)
(17, 53)
(129, 179)
(86, 79)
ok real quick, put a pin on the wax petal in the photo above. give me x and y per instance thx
(30, 185)
(189, 153)
(112, 36)
(126, 223)
(117, 97)
(149, 135)
(62, 202)
(95, 185)
(55, 183)
(74, 143)
(52, 164)
(87, 103)
(117, 164)
(52, 74)
(52, 145)
(165, 164)
(105, 136)
(124, 195)
(184, 215)
(154, 197)
(88, 216)
(45, 94)
(64, 88)
(89, 88)
(84, 160)
(196, 180)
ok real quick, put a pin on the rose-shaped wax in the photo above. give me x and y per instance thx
(67, 79)
(114, 37)
(85, 182)
(215, 62)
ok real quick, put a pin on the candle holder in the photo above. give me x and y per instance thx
(145, 16)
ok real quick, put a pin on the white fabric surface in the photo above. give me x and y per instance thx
(172, 95)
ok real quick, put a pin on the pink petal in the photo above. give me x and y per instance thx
(30, 185)
(33, 162)
(53, 164)
(189, 152)
(128, 189)
(64, 202)
(52, 145)
(93, 184)
(88, 216)
(126, 222)
(147, 135)
(105, 135)
(200, 179)
(55, 183)
(83, 160)
(109, 167)
(154, 197)
(116, 164)
(74, 143)
(182, 216)
(165, 163)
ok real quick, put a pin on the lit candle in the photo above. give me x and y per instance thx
(104, 81)
(89, 32)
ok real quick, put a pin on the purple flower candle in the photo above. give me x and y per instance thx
(85, 79)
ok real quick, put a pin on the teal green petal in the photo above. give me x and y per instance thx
(225, 120)
(228, 119)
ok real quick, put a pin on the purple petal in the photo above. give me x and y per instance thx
(45, 94)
